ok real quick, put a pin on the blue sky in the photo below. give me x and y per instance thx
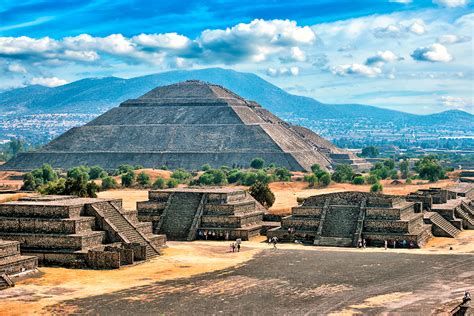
(409, 55)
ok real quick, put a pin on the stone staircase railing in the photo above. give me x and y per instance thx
(465, 217)
(319, 232)
(197, 219)
(5, 282)
(442, 224)
(360, 223)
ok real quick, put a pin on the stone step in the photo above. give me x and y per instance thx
(334, 242)
(442, 224)
(5, 282)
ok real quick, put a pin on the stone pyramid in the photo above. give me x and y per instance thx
(186, 125)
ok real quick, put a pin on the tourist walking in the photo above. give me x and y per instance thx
(364, 243)
(238, 242)
(274, 242)
(232, 247)
(385, 244)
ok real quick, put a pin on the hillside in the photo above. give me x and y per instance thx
(94, 96)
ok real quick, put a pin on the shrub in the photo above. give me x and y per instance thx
(181, 175)
(38, 177)
(393, 174)
(316, 168)
(370, 152)
(376, 187)
(172, 183)
(262, 193)
(108, 183)
(408, 181)
(248, 178)
(234, 176)
(213, 177)
(371, 179)
(206, 167)
(311, 179)
(138, 167)
(143, 179)
(128, 179)
(257, 163)
(325, 179)
(343, 173)
(159, 183)
(389, 163)
(359, 180)
(283, 174)
(124, 169)
(95, 172)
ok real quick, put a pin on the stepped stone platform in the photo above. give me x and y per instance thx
(12, 262)
(78, 232)
(155, 129)
(454, 204)
(202, 213)
(342, 219)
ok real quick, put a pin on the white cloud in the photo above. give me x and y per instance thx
(434, 53)
(417, 28)
(356, 69)
(382, 57)
(283, 71)
(451, 3)
(454, 102)
(16, 68)
(24, 46)
(453, 39)
(164, 41)
(48, 81)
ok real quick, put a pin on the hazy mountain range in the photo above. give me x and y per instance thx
(94, 96)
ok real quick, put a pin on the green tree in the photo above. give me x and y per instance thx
(109, 183)
(376, 187)
(359, 180)
(79, 172)
(257, 163)
(371, 179)
(96, 172)
(159, 183)
(369, 152)
(181, 175)
(404, 166)
(283, 174)
(429, 168)
(172, 183)
(389, 163)
(16, 146)
(311, 179)
(128, 179)
(262, 193)
(124, 169)
(206, 167)
(342, 173)
(143, 179)
(325, 179)
(138, 167)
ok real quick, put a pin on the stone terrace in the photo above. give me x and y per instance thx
(342, 219)
(205, 213)
(78, 232)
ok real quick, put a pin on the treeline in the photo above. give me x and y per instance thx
(445, 143)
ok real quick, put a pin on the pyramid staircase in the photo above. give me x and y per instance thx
(441, 227)
(5, 282)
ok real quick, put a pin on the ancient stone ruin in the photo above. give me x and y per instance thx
(78, 232)
(448, 210)
(186, 125)
(202, 213)
(342, 219)
(12, 263)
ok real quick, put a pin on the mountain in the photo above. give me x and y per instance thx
(94, 96)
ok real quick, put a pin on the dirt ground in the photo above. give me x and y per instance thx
(205, 278)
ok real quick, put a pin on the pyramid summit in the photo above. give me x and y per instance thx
(186, 125)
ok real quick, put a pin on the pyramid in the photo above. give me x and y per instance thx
(186, 125)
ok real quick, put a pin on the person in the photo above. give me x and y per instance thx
(227, 235)
(232, 247)
(238, 242)
(205, 234)
(385, 244)
(412, 244)
(289, 230)
(359, 243)
(274, 242)
(467, 297)
(394, 244)
(364, 243)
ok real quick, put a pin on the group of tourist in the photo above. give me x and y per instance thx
(235, 246)
(401, 244)
(213, 235)
(362, 243)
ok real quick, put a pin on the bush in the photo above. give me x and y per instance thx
(33, 180)
(78, 172)
(109, 183)
(172, 183)
(325, 179)
(343, 173)
(408, 181)
(159, 183)
(283, 174)
(248, 178)
(311, 179)
(234, 176)
(370, 152)
(143, 179)
(262, 193)
(128, 179)
(96, 172)
(359, 180)
(213, 177)
(206, 167)
(257, 163)
(163, 167)
(376, 187)
(371, 179)
(316, 168)
(430, 169)
(393, 174)
(181, 175)
(57, 187)
(389, 163)
(124, 169)
(138, 167)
